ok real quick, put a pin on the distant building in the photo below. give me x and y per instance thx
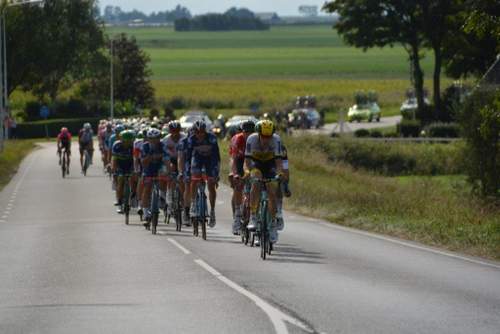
(308, 10)
(136, 23)
(269, 18)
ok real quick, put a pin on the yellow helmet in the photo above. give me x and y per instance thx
(265, 128)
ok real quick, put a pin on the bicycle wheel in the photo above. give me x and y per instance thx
(126, 209)
(86, 162)
(263, 245)
(154, 222)
(204, 228)
(194, 221)
(63, 166)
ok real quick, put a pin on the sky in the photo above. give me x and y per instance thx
(282, 7)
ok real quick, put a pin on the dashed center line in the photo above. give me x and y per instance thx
(178, 245)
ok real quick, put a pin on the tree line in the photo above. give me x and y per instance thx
(115, 15)
(232, 19)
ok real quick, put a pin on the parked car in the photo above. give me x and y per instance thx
(191, 117)
(305, 118)
(364, 112)
(234, 122)
(409, 107)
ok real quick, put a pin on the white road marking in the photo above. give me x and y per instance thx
(278, 318)
(178, 245)
(19, 183)
(5, 216)
(2, 221)
(410, 245)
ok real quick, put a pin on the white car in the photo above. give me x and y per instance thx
(191, 117)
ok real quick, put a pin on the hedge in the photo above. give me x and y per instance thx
(30, 130)
(409, 128)
(443, 130)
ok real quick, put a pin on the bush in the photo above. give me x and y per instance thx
(37, 129)
(376, 134)
(361, 133)
(480, 120)
(443, 130)
(390, 159)
(409, 128)
(427, 115)
(178, 102)
(32, 110)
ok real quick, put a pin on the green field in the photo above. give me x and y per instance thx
(283, 52)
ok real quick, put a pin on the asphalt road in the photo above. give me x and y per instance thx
(70, 265)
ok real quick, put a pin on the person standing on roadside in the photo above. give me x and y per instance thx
(6, 126)
(13, 128)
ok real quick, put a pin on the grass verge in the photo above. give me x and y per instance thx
(437, 211)
(14, 152)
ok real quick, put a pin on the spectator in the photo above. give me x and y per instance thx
(6, 126)
(13, 128)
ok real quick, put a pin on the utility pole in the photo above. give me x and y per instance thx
(112, 97)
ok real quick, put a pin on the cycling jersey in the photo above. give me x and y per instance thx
(264, 157)
(258, 152)
(172, 146)
(85, 137)
(112, 140)
(105, 139)
(155, 165)
(123, 157)
(182, 152)
(237, 152)
(64, 140)
(203, 154)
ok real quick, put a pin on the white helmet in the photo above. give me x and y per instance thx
(87, 126)
(154, 133)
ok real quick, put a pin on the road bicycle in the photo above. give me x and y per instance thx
(174, 204)
(201, 209)
(154, 208)
(126, 197)
(245, 213)
(263, 231)
(65, 162)
(86, 161)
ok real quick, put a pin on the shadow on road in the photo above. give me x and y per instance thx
(287, 253)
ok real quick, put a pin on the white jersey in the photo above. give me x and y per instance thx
(172, 144)
(256, 151)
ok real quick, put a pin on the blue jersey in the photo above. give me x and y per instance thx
(155, 165)
(206, 149)
(203, 154)
(123, 156)
(111, 140)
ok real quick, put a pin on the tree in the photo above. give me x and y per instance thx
(132, 75)
(50, 48)
(367, 24)
(473, 47)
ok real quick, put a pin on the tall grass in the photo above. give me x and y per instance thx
(14, 152)
(438, 211)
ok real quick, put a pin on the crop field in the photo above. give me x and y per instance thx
(270, 66)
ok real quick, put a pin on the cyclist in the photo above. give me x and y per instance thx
(86, 141)
(263, 160)
(103, 142)
(64, 142)
(114, 137)
(123, 163)
(140, 140)
(183, 175)
(284, 189)
(153, 157)
(203, 153)
(237, 154)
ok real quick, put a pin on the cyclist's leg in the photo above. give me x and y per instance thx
(82, 148)
(146, 195)
(119, 188)
(254, 198)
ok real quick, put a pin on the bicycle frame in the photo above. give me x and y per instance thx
(201, 208)
(155, 204)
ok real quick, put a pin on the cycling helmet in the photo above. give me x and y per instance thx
(199, 126)
(154, 133)
(139, 135)
(109, 126)
(119, 129)
(220, 117)
(266, 116)
(247, 126)
(64, 130)
(174, 126)
(87, 126)
(265, 128)
(155, 125)
(127, 136)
